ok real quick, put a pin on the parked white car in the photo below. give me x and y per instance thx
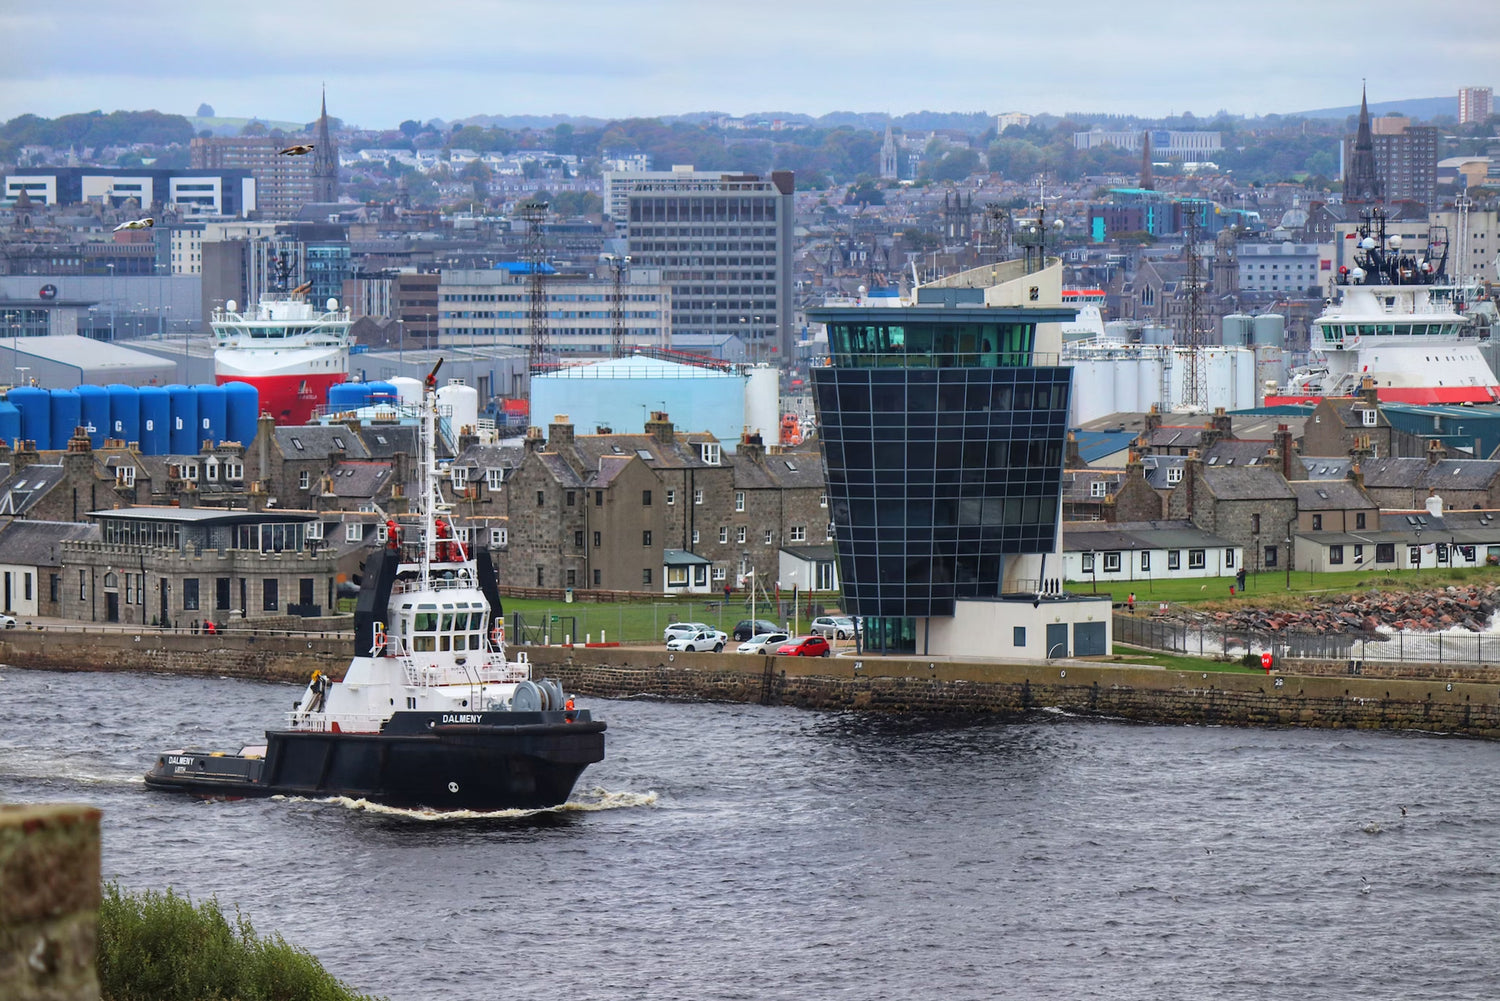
(677, 629)
(707, 639)
(7, 622)
(834, 627)
(760, 641)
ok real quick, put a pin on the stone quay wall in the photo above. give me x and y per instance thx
(49, 902)
(1443, 702)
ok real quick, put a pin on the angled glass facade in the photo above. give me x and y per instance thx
(943, 442)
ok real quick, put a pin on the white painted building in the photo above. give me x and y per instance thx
(1138, 553)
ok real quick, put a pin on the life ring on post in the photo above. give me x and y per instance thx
(497, 634)
(379, 639)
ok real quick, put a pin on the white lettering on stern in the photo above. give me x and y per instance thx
(463, 717)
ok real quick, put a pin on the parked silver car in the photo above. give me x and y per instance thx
(834, 627)
(677, 629)
(763, 643)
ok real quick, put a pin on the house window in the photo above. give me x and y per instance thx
(598, 578)
(1270, 557)
(598, 540)
(799, 533)
(671, 497)
(1145, 559)
(1255, 524)
(494, 478)
(646, 538)
(1229, 558)
(312, 530)
(1359, 555)
(598, 498)
(1414, 555)
(190, 472)
(645, 498)
(1018, 636)
(1111, 562)
(710, 453)
(723, 534)
(572, 578)
(1442, 553)
(54, 588)
(304, 480)
(739, 535)
(646, 577)
(354, 531)
(1174, 474)
(1317, 523)
(497, 536)
(190, 594)
(720, 574)
(460, 477)
(1088, 562)
(570, 498)
(677, 576)
(695, 536)
(234, 471)
(382, 534)
(739, 500)
(1174, 559)
(1369, 418)
(823, 500)
(539, 572)
(828, 535)
(1097, 488)
(578, 539)
(1359, 519)
(541, 498)
(270, 596)
(698, 496)
(1197, 559)
(768, 536)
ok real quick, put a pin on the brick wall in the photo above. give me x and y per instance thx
(49, 902)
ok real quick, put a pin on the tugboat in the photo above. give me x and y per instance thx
(430, 713)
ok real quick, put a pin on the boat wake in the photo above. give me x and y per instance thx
(590, 802)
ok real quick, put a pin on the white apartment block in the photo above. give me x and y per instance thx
(492, 307)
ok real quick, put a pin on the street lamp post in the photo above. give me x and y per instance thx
(1419, 550)
(1288, 541)
(111, 268)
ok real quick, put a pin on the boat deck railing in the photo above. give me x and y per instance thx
(488, 669)
(334, 722)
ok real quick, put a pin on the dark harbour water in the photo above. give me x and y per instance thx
(740, 852)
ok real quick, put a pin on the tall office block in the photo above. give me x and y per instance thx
(943, 435)
(723, 243)
(1475, 104)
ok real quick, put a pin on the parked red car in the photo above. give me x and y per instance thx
(805, 646)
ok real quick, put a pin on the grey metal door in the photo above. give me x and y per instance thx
(1057, 639)
(1088, 639)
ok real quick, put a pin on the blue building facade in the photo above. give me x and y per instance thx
(943, 442)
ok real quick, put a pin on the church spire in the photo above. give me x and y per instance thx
(1361, 183)
(325, 167)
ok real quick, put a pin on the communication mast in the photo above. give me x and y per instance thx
(617, 307)
(1193, 378)
(533, 212)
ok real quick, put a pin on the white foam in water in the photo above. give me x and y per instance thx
(597, 799)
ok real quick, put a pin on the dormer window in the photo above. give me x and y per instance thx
(125, 476)
(1369, 418)
(710, 452)
(494, 478)
(1098, 488)
(460, 477)
(1174, 474)
(190, 471)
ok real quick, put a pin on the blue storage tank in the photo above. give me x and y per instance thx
(67, 414)
(124, 412)
(156, 418)
(183, 406)
(35, 406)
(94, 405)
(10, 423)
(349, 395)
(212, 412)
(241, 412)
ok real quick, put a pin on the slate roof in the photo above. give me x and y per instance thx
(19, 491)
(1417, 473)
(1238, 452)
(1176, 437)
(318, 442)
(36, 543)
(1155, 468)
(385, 441)
(1327, 467)
(360, 479)
(787, 470)
(1077, 483)
(1330, 495)
(1235, 483)
(682, 452)
(1096, 536)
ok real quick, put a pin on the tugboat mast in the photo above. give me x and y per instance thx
(429, 474)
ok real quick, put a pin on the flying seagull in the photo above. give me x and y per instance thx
(145, 223)
(297, 150)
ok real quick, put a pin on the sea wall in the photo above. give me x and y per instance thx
(49, 902)
(1444, 702)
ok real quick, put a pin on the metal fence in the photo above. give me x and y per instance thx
(1207, 639)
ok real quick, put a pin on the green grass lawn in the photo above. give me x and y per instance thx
(1281, 589)
(643, 622)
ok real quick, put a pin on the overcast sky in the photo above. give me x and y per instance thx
(384, 61)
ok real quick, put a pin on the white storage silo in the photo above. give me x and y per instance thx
(408, 390)
(460, 404)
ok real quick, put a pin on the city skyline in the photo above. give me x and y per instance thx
(382, 66)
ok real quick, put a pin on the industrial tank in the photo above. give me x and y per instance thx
(183, 410)
(156, 420)
(409, 390)
(241, 412)
(10, 423)
(124, 412)
(381, 391)
(1270, 329)
(94, 408)
(67, 412)
(460, 404)
(1237, 328)
(348, 396)
(213, 405)
(1155, 333)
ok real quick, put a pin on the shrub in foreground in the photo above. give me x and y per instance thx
(161, 947)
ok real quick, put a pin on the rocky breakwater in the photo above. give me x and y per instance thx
(1468, 608)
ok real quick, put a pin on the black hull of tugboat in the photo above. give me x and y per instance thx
(419, 762)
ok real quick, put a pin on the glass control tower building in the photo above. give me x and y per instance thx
(943, 429)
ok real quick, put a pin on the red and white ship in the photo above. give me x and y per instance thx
(285, 347)
(1400, 323)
